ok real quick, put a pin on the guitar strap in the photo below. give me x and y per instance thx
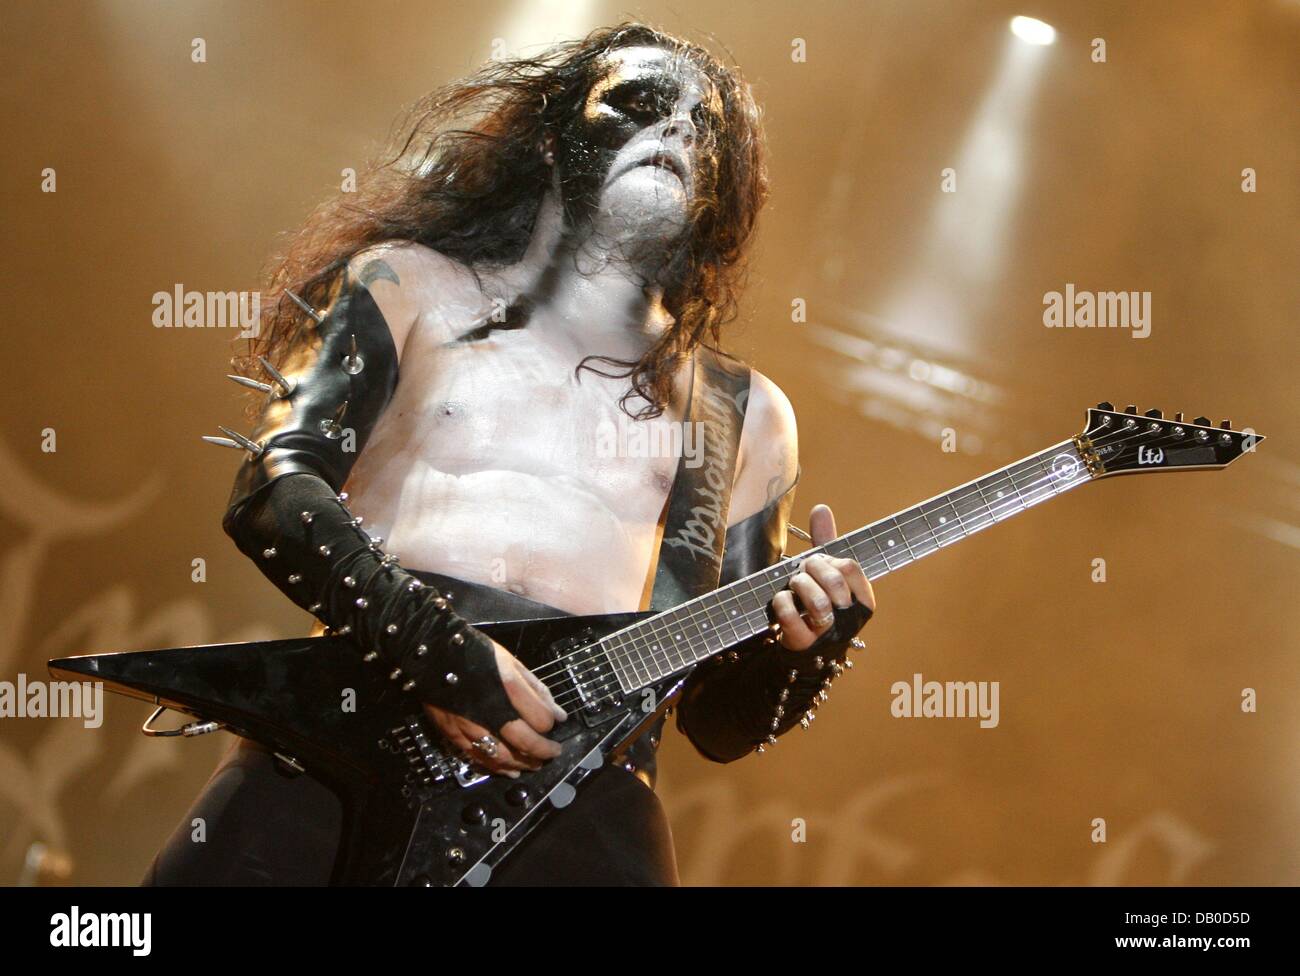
(695, 524)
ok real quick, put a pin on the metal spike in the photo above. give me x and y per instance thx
(222, 441)
(1178, 417)
(352, 362)
(799, 533)
(286, 385)
(249, 445)
(305, 307)
(331, 427)
(251, 384)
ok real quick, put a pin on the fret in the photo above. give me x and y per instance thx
(891, 543)
(732, 616)
(667, 642)
(1039, 485)
(866, 551)
(624, 662)
(972, 510)
(996, 494)
(944, 522)
(1012, 478)
(650, 650)
(913, 528)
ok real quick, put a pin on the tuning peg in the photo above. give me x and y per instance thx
(1203, 421)
(1105, 405)
(1131, 408)
(1178, 417)
(1155, 413)
(1226, 425)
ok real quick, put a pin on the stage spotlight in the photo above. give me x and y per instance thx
(1033, 31)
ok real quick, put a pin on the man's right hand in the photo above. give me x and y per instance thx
(525, 746)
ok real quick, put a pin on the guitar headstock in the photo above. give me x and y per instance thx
(1126, 442)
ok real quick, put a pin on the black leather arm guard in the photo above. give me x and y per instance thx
(744, 700)
(287, 514)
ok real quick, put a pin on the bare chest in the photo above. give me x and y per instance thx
(495, 462)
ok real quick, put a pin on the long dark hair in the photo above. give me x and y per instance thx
(464, 175)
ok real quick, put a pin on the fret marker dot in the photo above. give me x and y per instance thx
(999, 494)
(891, 542)
(943, 519)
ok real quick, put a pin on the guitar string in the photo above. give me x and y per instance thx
(1008, 476)
(626, 652)
(755, 620)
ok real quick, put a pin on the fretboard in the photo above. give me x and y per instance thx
(661, 646)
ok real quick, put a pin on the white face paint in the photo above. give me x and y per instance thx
(631, 159)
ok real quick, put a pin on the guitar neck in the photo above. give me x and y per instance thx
(654, 649)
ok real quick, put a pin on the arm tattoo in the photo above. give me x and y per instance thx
(378, 270)
(776, 484)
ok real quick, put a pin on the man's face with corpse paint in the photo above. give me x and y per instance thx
(638, 151)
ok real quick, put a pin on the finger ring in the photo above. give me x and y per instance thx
(825, 621)
(487, 745)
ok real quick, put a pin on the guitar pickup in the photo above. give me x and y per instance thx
(591, 682)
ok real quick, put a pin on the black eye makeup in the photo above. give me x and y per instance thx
(642, 99)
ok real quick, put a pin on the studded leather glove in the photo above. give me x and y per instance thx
(744, 700)
(287, 514)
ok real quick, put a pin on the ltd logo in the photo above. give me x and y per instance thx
(1147, 455)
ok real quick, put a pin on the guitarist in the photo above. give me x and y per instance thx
(600, 209)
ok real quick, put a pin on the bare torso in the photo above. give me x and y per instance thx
(492, 461)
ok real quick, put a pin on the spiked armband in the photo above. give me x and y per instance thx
(744, 700)
(288, 514)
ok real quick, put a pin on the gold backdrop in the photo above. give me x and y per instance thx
(900, 306)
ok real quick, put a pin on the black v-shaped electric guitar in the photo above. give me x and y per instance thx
(419, 815)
